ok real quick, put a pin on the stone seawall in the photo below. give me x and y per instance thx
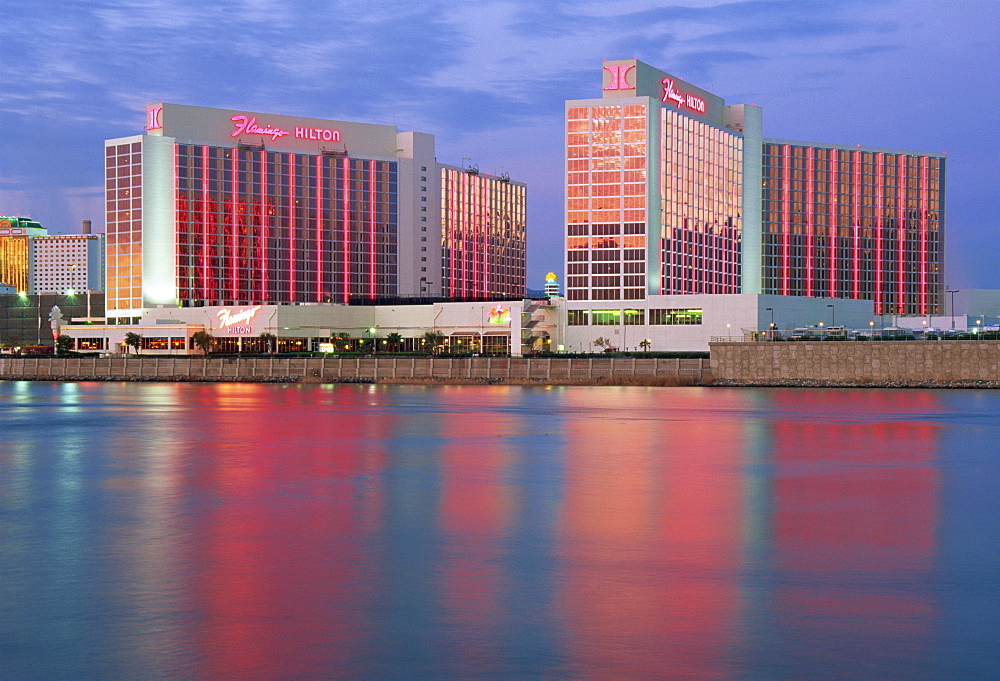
(924, 363)
(358, 369)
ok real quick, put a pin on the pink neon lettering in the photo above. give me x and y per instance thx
(618, 81)
(319, 134)
(153, 118)
(228, 319)
(670, 94)
(250, 127)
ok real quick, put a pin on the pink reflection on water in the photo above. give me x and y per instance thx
(652, 537)
(475, 514)
(283, 567)
(855, 516)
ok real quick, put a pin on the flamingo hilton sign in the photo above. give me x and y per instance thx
(239, 322)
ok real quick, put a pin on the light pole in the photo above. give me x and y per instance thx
(770, 329)
(833, 315)
(952, 292)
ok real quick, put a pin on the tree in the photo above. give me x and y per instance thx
(394, 340)
(133, 340)
(269, 340)
(645, 343)
(341, 339)
(63, 344)
(433, 339)
(203, 341)
(603, 343)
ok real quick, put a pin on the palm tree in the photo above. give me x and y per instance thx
(203, 340)
(133, 340)
(433, 339)
(393, 339)
(341, 340)
(645, 343)
(269, 340)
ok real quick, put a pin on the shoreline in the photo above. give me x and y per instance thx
(618, 381)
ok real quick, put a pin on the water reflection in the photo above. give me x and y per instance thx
(229, 531)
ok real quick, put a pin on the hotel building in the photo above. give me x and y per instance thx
(35, 262)
(670, 192)
(15, 250)
(227, 208)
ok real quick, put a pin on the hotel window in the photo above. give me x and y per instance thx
(606, 317)
(577, 318)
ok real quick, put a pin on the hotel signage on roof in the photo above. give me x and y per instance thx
(681, 100)
(247, 125)
(619, 73)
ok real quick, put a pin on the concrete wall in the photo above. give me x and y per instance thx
(333, 369)
(858, 362)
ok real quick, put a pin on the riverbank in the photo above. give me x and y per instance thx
(413, 370)
(805, 383)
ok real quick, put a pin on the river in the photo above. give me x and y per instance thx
(252, 531)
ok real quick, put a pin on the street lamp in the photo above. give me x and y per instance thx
(833, 315)
(952, 292)
(373, 330)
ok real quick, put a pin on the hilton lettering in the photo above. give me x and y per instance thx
(321, 134)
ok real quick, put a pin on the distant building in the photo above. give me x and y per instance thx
(66, 262)
(15, 233)
(35, 262)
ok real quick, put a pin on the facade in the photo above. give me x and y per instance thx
(853, 222)
(225, 208)
(66, 262)
(467, 327)
(15, 236)
(672, 192)
(689, 322)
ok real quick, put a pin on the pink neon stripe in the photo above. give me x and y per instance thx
(879, 210)
(463, 209)
(345, 200)
(453, 222)
(183, 289)
(856, 190)
(263, 226)
(371, 229)
(234, 255)
(786, 189)
(901, 245)
(319, 224)
(833, 180)
(204, 222)
(484, 202)
(924, 178)
(473, 229)
(292, 215)
(810, 153)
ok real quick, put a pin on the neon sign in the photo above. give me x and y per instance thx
(153, 118)
(322, 134)
(680, 100)
(499, 314)
(239, 322)
(250, 127)
(618, 81)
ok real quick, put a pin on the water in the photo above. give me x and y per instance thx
(232, 531)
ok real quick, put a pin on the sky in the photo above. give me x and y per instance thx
(489, 80)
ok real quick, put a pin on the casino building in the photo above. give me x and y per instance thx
(227, 208)
(671, 192)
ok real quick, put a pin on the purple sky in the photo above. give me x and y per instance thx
(489, 80)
